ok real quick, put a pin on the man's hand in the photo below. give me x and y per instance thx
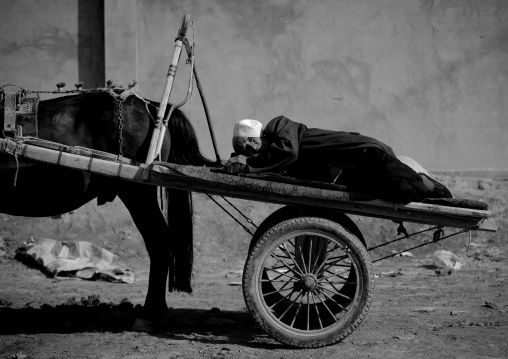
(236, 165)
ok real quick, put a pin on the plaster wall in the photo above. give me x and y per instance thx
(48, 41)
(428, 77)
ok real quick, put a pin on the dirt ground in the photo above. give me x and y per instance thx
(415, 313)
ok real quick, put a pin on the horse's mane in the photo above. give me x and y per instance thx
(184, 143)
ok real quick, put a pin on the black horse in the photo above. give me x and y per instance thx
(106, 122)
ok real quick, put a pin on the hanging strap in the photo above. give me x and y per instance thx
(9, 112)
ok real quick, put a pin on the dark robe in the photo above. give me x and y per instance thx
(347, 158)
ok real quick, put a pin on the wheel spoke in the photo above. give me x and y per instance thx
(303, 260)
(286, 265)
(330, 263)
(276, 291)
(328, 309)
(279, 268)
(332, 276)
(314, 271)
(290, 306)
(308, 311)
(317, 310)
(342, 265)
(297, 310)
(336, 274)
(331, 298)
(336, 260)
(310, 254)
(285, 250)
(284, 286)
(283, 298)
(326, 281)
(281, 274)
(281, 281)
(337, 293)
(333, 248)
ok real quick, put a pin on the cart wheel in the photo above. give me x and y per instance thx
(308, 282)
(289, 212)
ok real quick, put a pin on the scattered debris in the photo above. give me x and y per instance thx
(443, 272)
(446, 259)
(492, 254)
(91, 301)
(425, 310)
(404, 254)
(457, 312)
(495, 306)
(5, 303)
(2, 247)
(468, 323)
(404, 337)
(392, 273)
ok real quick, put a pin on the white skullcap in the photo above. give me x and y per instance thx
(248, 128)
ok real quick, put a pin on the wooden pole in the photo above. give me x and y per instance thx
(160, 129)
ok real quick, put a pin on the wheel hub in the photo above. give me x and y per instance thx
(309, 282)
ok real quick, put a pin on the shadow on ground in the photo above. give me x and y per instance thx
(91, 316)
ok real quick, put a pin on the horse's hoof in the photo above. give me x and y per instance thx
(143, 325)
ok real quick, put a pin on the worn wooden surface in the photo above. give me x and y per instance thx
(201, 179)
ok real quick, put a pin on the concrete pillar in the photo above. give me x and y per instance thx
(121, 37)
(91, 43)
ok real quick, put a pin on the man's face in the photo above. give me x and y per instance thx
(248, 146)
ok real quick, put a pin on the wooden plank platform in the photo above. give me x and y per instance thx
(201, 179)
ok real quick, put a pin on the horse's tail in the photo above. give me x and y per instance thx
(178, 204)
(178, 211)
(184, 143)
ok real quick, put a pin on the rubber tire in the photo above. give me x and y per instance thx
(289, 212)
(254, 270)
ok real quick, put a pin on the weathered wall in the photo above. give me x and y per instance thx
(47, 41)
(428, 77)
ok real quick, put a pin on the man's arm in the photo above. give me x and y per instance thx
(283, 136)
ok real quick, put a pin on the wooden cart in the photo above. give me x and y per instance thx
(308, 279)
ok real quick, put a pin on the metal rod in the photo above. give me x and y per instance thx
(188, 48)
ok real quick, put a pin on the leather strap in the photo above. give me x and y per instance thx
(10, 111)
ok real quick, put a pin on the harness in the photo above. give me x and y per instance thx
(20, 113)
(20, 122)
(20, 109)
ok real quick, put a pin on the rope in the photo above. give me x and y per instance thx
(405, 236)
(225, 210)
(17, 169)
(440, 230)
(240, 212)
(213, 199)
(191, 25)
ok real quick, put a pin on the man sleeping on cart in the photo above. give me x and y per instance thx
(358, 162)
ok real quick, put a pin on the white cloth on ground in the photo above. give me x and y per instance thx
(81, 259)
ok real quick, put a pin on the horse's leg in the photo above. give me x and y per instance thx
(141, 201)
